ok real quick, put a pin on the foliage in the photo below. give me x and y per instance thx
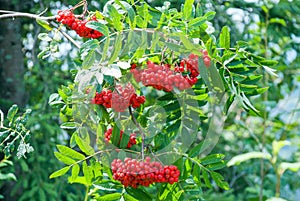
(15, 134)
(128, 40)
(251, 88)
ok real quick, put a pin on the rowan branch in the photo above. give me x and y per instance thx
(14, 14)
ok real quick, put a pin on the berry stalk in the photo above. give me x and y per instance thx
(140, 130)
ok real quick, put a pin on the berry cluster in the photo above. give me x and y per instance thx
(68, 18)
(133, 173)
(132, 139)
(161, 77)
(103, 98)
(120, 99)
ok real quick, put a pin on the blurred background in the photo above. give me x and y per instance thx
(271, 28)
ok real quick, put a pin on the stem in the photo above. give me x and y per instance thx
(265, 97)
(84, 7)
(12, 131)
(86, 193)
(13, 14)
(1, 118)
(140, 129)
(67, 36)
(278, 183)
(185, 155)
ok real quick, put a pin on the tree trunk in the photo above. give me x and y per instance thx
(12, 88)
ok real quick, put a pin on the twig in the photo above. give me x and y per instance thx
(1, 118)
(84, 8)
(67, 36)
(140, 129)
(13, 14)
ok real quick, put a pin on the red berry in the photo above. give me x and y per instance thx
(68, 18)
(206, 61)
(134, 173)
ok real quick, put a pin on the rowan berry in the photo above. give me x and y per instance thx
(135, 173)
(68, 18)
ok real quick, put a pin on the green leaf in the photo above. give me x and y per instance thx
(206, 178)
(177, 195)
(228, 103)
(187, 9)
(80, 180)
(68, 125)
(278, 21)
(84, 146)
(247, 104)
(195, 151)
(105, 49)
(128, 197)
(219, 179)
(295, 167)
(197, 22)
(164, 194)
(210, 15)
(212, 78)
(43, 52)
(131, 13)
(64, 159)
(53, 97)
(187, 43)
(117, 48)
(44, 24)
(172, 106)
(176, 48)
(142, 45)
(89, 45)
(268, 62)
(97, 169)
(60, 172)
(242, 43)
(75, 172)
(124, 141)
(236, 160)
(277, 145)
(98, 26)
(8, 176)
(87, 172)
(12, 112)
(70, 152)
(214, 158)
(216, 166)
(115, 17)
(110, 197)
(225, 38)
(115, 138)
(276, 199)
(44, 37)
(196, 174)
(89, 60)
(138, 194)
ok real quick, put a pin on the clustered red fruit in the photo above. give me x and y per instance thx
(162, 77)
(132, 139)
(120, 99)
(133, 173)
(68, 18)
(103, 98)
